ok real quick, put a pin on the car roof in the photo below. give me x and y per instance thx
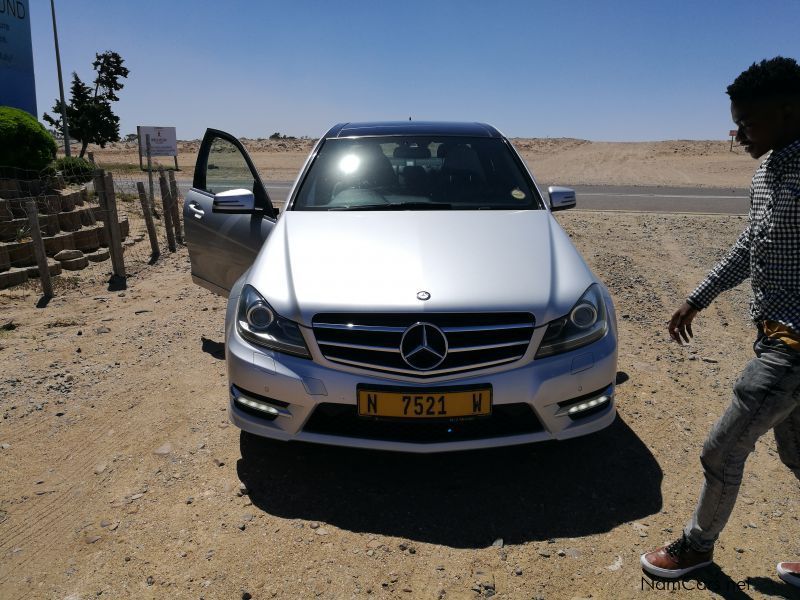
(384, 128)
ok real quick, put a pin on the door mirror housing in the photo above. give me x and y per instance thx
(561, 198)
(234, 202)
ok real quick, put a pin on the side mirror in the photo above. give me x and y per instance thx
(561, 198)
(234, 202)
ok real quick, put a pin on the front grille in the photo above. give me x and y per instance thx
(372, 340)
(342, 420)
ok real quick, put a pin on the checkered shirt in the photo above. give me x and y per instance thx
(768, 250)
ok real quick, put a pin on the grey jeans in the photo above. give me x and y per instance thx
(766, 396)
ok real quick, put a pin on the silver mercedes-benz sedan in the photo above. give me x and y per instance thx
(415, 294)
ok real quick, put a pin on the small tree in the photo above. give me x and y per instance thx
(91, 119)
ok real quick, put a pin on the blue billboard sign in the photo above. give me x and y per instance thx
(17, 85)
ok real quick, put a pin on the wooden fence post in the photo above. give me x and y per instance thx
(148, 219)
(150, 176)
(162, 180)
(38, 247)
(176, 209)
(112, 222)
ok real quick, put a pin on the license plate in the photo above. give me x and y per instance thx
(425, 404)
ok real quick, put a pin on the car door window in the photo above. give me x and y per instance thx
(227, 168)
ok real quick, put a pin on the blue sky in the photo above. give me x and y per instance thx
(624, 70)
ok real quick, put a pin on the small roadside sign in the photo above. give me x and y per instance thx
(163, 141)
(733, 132)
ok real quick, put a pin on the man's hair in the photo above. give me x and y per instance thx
(777, 76)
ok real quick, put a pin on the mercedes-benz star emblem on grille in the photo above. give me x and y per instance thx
(423, 295)
(423, 346)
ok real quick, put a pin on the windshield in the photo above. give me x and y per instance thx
(415, 173)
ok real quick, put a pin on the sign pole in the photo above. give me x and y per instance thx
(150, 177)
(64, 122)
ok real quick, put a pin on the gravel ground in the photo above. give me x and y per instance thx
(121, 477)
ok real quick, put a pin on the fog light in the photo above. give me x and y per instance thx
(578, 408)
(258, 405)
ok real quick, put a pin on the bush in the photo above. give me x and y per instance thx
(75, 169)
(24, 142)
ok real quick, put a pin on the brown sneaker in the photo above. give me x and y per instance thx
(790, 573)
(675, 560)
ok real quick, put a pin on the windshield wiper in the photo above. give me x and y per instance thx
(398, 206)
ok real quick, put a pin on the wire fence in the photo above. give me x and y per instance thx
(61, 228)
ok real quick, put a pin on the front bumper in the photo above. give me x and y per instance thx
(297, 387)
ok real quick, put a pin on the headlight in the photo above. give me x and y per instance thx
(259, 324)
(585, 323)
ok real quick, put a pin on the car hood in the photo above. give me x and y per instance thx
(468, 261)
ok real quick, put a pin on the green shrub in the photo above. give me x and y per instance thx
(24, 142)
(75, 169)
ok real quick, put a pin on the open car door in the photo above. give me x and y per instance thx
(227, 214)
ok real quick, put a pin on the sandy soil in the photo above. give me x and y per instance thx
(120, 476)
(552, 160)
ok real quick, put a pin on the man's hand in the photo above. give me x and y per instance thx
(680, 325)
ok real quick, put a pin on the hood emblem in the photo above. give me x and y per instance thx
(423, 295)
(423, 346)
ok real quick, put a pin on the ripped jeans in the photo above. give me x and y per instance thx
(766, 396)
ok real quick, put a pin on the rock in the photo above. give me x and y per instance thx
(5, 446)
(98, 255)
(640, 528)
(561, 553)
(105, 523)
(101, 330)
(544, 553)
(242, 490)
(242, 526)
(75, 264)
(150, 580)
(189, 500)
(92, 539)
(518, 571)
(163, 450)
(314, 525)
(246, 596)
(321, 531)
(68, 255)
(219, 462)
(616, 565)
(498, 543)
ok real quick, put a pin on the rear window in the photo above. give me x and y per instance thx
(401, 173)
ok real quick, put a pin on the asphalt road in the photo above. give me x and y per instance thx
(622, 198)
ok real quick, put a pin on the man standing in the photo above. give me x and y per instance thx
(765, 106)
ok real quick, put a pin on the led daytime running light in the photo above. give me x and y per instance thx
(587, 405)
